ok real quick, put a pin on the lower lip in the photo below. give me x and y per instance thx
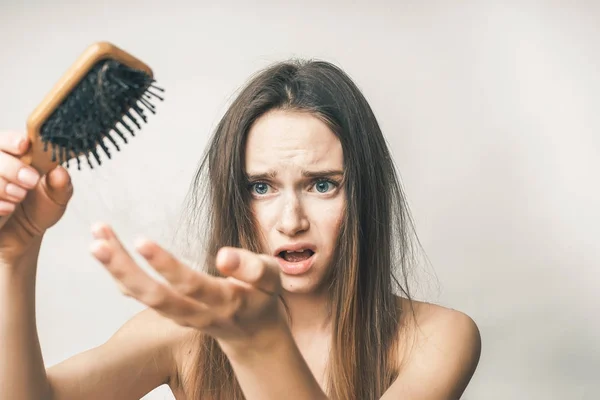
(296, 268)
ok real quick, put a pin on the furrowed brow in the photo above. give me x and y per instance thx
(269, 175)
(323, 173)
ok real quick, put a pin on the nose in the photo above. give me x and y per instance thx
(293, 219)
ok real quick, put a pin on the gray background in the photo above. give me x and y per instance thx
(491, 111)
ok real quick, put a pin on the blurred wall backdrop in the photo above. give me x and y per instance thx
(491, 111)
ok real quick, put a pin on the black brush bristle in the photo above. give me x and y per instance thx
(111, 99)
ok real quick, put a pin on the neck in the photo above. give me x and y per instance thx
(308, 312)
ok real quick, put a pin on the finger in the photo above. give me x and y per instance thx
(6, 207)
(17, 172)
(150, 292)
(203, 287)
(160, 297)
(14, 143)
(109, 251)
(11, 192)
(46, 205)
(10, 195)
(57, 185)
(258, 270)
(134, 282)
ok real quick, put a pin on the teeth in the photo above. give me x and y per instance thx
(297, 251)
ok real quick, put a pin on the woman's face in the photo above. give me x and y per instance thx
(294, 165)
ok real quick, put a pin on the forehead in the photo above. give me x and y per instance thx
(285, 139)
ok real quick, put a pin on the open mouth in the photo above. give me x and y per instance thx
(296, 256)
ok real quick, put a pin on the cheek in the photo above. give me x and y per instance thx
(330, 218)
(264, 215)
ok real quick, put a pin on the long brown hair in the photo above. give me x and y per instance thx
(375, 248)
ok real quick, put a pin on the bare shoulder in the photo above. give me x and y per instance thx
(440, 351)
(139, 357)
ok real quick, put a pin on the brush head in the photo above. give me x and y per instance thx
(102, 98)
(111, 100)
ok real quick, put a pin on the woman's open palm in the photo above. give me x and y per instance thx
(235, 306)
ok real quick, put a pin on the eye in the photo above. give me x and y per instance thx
(324, 185)
(259, 188)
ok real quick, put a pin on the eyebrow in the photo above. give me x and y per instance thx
(272, 174)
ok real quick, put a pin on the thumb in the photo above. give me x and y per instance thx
(43, 206)
(58, 186)
(48, 203)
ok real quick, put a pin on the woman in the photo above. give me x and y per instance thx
(306, 226)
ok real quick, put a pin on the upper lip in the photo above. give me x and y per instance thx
(295, 247)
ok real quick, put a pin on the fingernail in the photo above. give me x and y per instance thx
(15, 191)
(28, 177)
(100, 251)
(98, 231)
(142, 246)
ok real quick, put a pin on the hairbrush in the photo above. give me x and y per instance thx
(104, 94)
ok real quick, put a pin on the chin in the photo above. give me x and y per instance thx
(307, 284)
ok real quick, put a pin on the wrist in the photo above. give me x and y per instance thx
(16, 255)
(273, 351)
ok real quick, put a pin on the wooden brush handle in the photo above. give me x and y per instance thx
(36, 156)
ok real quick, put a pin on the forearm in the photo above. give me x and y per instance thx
(22, 370)
(276, 370)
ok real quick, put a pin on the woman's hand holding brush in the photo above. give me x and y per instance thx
(36, 203)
